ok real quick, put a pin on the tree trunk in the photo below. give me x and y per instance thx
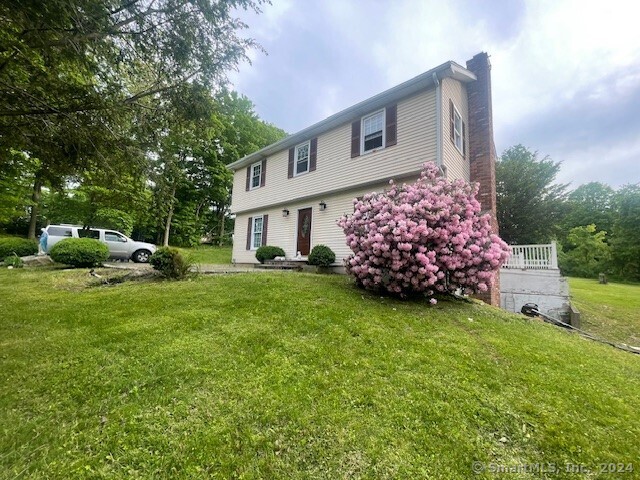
(221, 237)
(167, 225)
(198, 210)
(35, 199)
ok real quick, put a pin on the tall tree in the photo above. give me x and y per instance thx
(242, 133)
(17, 173)
(626, 233)
(204, 135)
(187, 130)
(530, 204)
(70, 70)
(591, 203)
(588, 252)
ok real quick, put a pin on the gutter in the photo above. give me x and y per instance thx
(439, 122)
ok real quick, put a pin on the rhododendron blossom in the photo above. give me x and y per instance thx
(423, 237)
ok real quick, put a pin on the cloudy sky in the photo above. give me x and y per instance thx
(566, 74)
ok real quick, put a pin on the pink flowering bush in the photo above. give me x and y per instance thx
(424, 237)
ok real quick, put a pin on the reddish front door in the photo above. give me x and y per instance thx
(304, 231)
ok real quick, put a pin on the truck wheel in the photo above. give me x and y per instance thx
(141, 256)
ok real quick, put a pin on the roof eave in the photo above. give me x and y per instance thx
(405, 89)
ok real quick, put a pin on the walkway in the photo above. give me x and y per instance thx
(201, 268)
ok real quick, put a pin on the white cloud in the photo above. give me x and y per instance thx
(564, 47)
(614, 165)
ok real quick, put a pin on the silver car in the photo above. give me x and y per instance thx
(120, 246)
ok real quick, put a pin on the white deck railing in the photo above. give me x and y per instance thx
(533, 257)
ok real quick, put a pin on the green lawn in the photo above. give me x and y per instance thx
(282, 375)
(611, 311)
(207, 254)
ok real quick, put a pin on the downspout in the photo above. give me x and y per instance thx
(438, 123)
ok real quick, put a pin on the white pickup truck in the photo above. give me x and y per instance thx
(120, 246)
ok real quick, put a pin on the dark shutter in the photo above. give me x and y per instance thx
(291, 154)
(249, 228)
(391, 120)
(355, 139)
(263, 172)
(248, 177)
(452, 122)
(313, 154)
(464, 140)
(265, 224)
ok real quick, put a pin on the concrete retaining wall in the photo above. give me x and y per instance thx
(546, 288)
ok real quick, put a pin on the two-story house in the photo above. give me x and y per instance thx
(291, 193)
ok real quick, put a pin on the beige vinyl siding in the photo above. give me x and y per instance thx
(457, 165)
(336, 170)
(282, 231)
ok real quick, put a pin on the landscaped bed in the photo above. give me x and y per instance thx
(280, 375)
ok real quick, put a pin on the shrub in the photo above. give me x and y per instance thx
(322, 256)
(13, 261)
(268, 252)
(19, 246)
(171, 263)
(423, 237)
(79, 252)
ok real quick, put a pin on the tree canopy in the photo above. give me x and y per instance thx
(591, 203)
(530, 204)
(83, 83)
(597, 227)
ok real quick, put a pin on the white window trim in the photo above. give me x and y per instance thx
(457, 135)
(253, 230)
(251, 187)
(384, 132)
(295, 159)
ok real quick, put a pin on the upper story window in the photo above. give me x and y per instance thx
(457, 128)
(302, 158)
(256, 173)
(375, 131)
(372, 131)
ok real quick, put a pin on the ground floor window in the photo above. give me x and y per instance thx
(256, 233)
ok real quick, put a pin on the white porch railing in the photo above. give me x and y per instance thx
(533, 257)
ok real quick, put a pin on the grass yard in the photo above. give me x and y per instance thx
(208, 254)
(282, 375)
(611, 311)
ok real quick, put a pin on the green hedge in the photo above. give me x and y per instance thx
(269, 252)
(79, 252)
(171, 263)
(20, 246)
(322, 256)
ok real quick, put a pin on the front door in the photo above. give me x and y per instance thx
(304, 231)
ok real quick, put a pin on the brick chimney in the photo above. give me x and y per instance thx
(482, 150)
